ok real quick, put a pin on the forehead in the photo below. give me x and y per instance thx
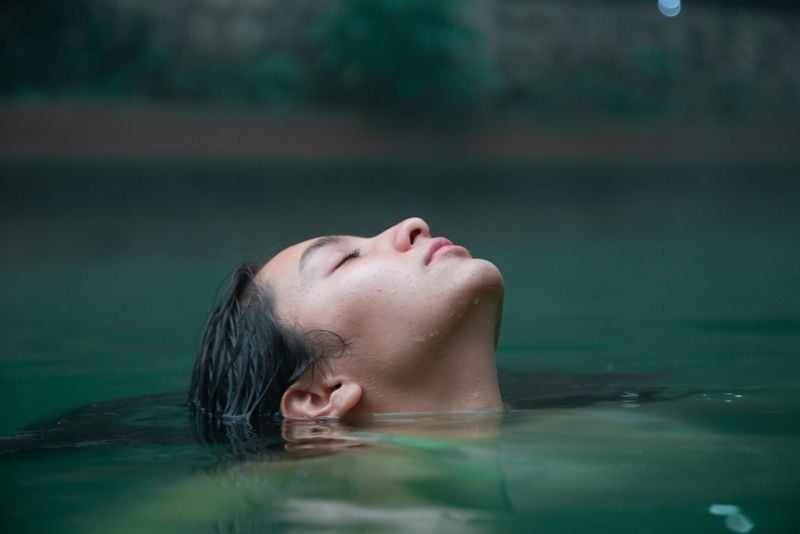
(283, 267)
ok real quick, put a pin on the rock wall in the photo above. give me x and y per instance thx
(705, 53)
(549, 55)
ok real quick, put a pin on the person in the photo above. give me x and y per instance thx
(347, 327)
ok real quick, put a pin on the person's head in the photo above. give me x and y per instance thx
(344, 325)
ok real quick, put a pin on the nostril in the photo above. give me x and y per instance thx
(414, 235)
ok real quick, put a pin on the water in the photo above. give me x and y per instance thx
(651, 326)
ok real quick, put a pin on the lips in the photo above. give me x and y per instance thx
(436, 245)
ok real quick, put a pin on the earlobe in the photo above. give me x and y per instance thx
(301, 402)
(344, 399)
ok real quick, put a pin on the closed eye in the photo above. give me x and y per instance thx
(352, 255)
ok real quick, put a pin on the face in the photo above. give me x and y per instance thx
(398, 298)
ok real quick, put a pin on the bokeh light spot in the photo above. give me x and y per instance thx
(669, 8)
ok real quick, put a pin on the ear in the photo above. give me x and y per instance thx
(304, 400)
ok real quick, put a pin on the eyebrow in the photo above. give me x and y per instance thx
(315, 246)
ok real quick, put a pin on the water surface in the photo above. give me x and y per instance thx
(653, 314)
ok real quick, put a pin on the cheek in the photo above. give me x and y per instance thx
(385, 303)
(370, 300)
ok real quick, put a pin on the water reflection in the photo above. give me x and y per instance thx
(598, 466)
(734, 520)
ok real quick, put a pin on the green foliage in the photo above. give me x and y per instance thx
(87, 48)
(407, 55)
(52, 47)
(276, 79)
(271, 79)
(403, 57)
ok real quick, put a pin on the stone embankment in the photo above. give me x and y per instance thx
(90, 132)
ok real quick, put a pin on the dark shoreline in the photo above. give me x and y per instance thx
(83, 131)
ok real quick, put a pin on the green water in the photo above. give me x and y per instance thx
(620, 279)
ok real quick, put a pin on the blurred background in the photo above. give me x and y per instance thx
(631, 165)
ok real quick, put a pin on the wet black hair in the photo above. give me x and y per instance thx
(247, 358)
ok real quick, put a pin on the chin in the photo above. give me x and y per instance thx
(491, 274)
(485, 280)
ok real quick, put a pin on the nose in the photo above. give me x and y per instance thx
(405, 233)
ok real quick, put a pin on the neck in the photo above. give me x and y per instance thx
(456, 373)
